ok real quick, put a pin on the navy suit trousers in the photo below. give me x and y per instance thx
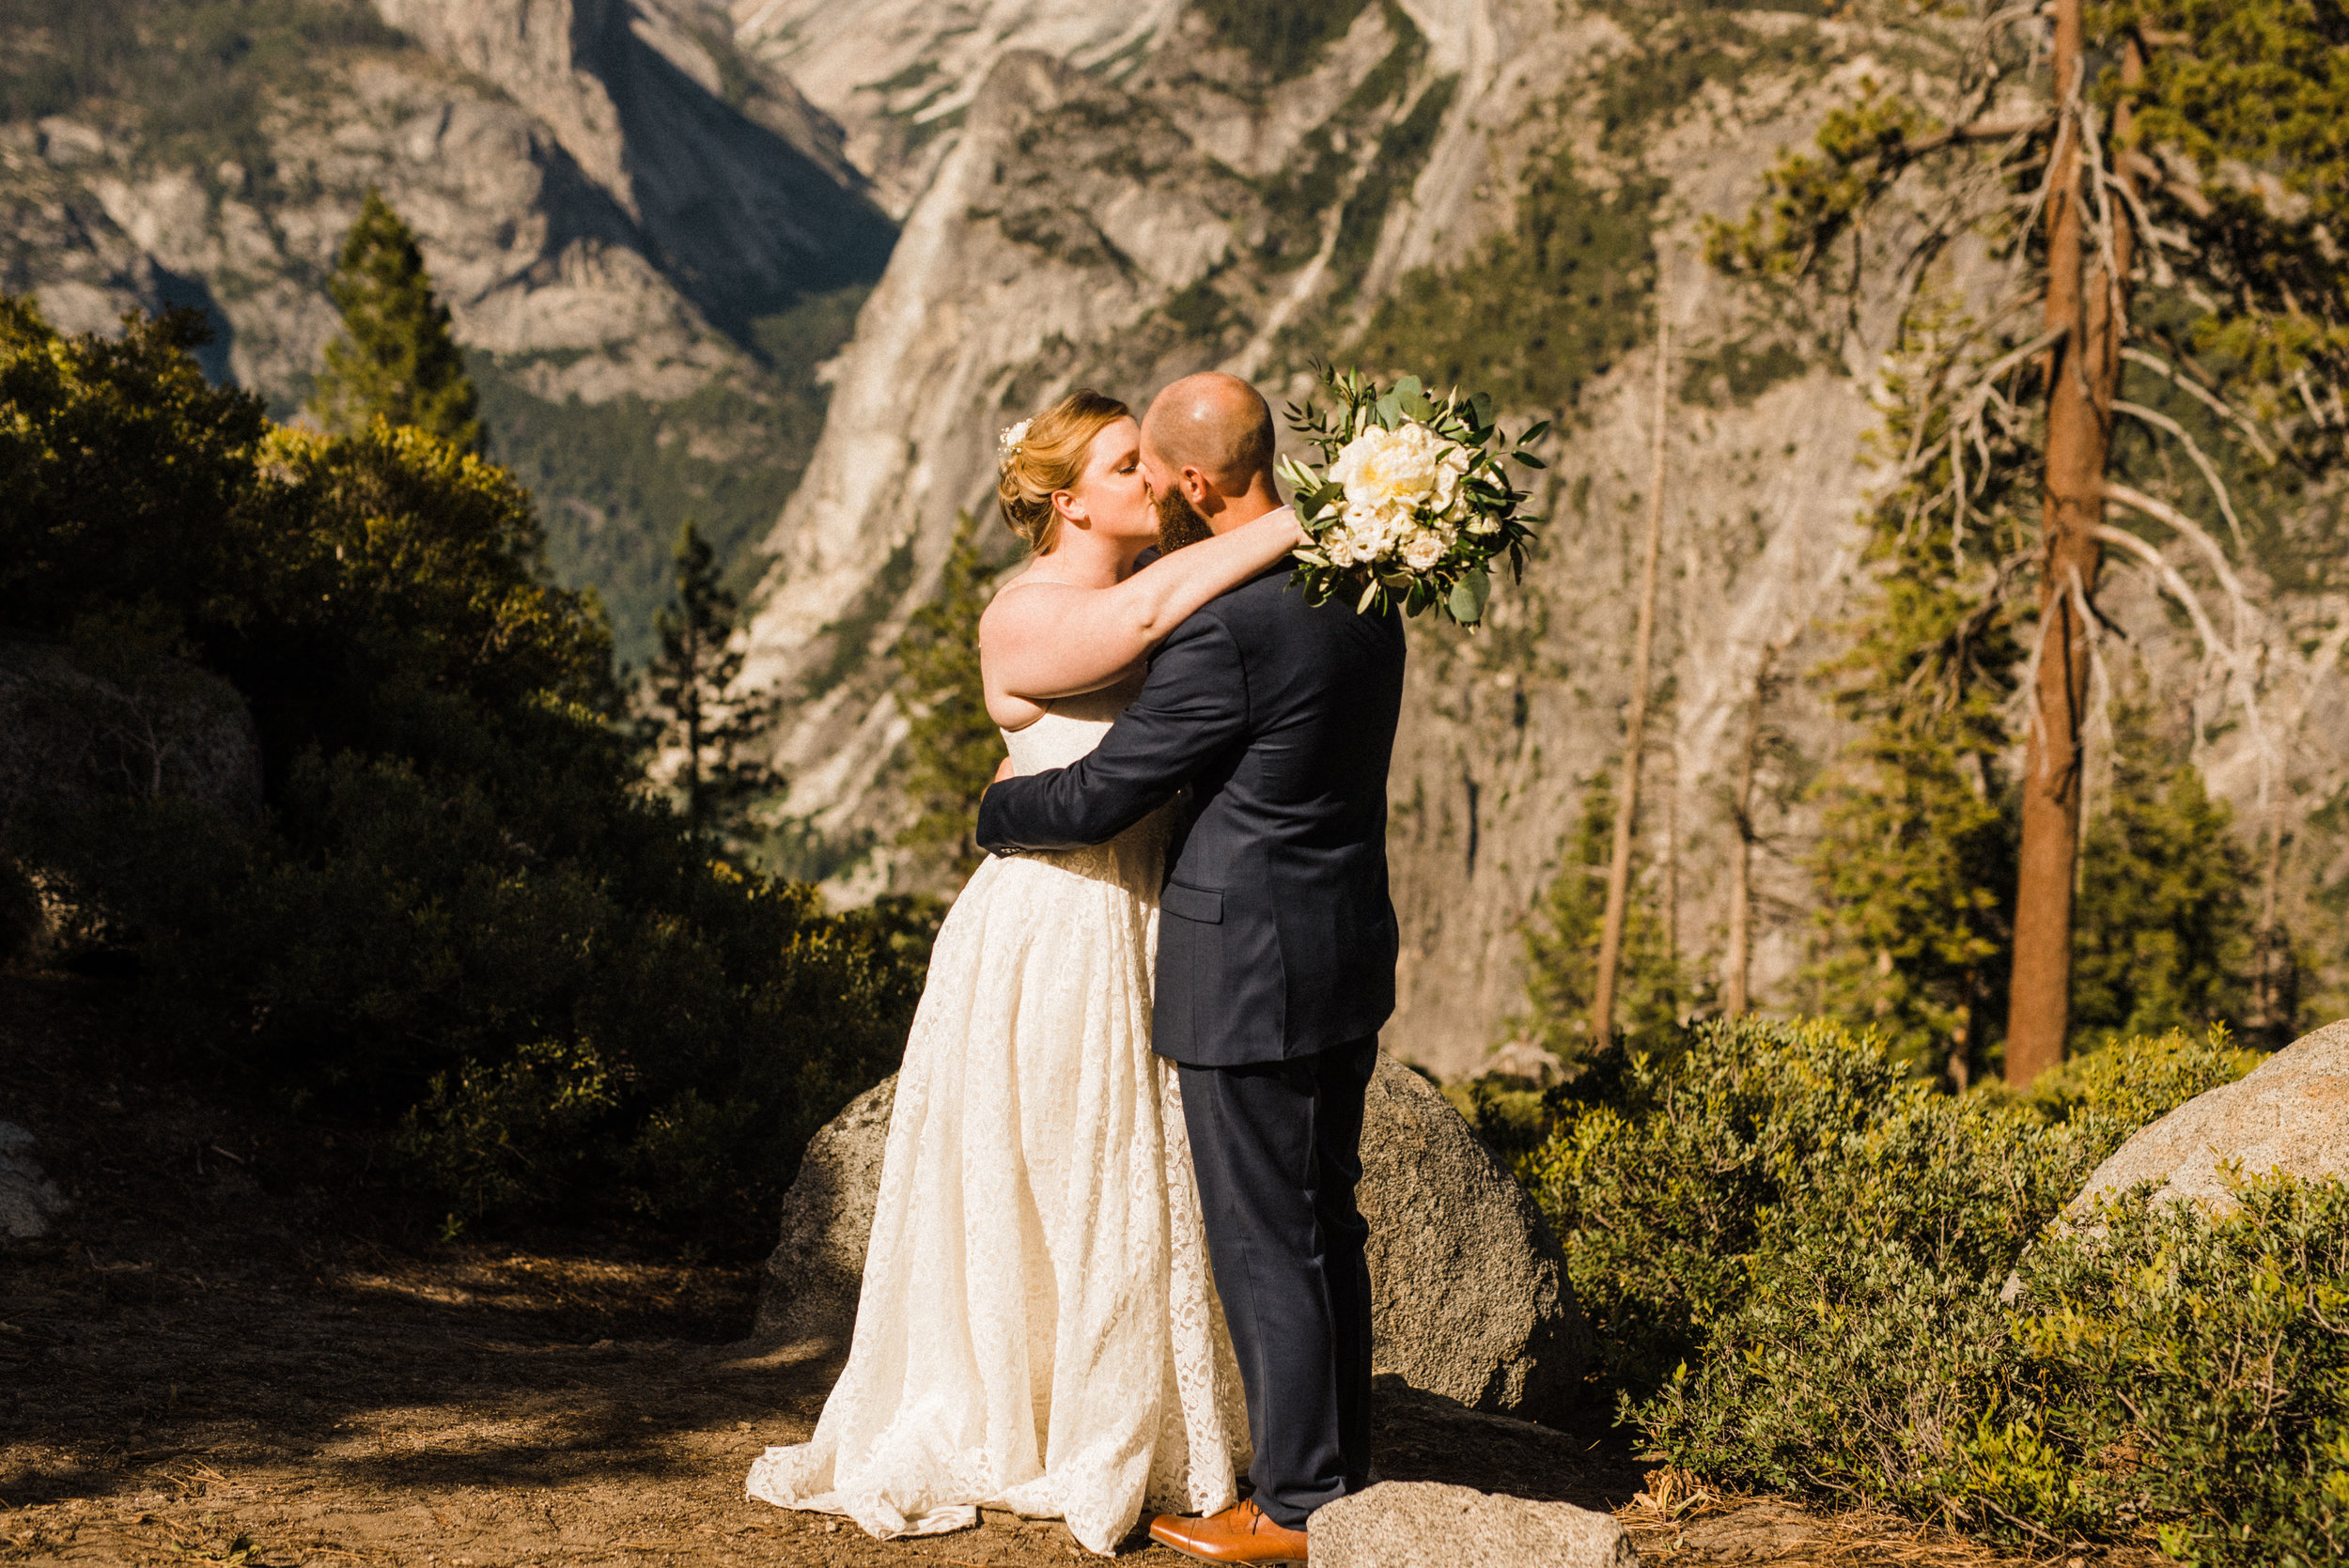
(1277, 1145)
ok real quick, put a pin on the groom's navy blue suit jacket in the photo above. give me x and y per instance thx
(1275, 938)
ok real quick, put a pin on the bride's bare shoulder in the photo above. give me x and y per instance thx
(1010, 607)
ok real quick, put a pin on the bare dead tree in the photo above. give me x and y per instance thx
(1634, 719)
(1738, 962)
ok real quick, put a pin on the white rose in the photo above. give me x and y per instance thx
(1425, 548)
(1339, 547)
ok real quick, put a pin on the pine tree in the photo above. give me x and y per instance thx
(1915, 865)
(1561, 950)
(689, 709)
(396, 359)
(2164, 938)
(2181, 166)
(952, 747)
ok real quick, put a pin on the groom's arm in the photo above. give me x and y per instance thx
(1192, 707)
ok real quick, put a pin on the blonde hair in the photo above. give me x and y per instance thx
(1047, 454)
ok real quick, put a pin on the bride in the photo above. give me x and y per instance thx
(1038, 1330)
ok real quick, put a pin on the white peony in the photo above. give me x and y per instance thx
(1374, 529)
(1400, 470)
(1424, 549)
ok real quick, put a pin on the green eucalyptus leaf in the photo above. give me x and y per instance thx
(1536, 433)
(1390, 412)
(1529, 459)
(1470, 595)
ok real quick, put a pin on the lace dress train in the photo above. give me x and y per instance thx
(1038, 1328)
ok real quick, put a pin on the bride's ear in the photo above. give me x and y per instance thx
(1072, 511)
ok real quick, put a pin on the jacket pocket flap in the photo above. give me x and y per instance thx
(1200, 903)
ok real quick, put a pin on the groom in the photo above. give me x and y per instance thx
(1276, 951)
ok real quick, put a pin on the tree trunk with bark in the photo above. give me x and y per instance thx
(2088, 299)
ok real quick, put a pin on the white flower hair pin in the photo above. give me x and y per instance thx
(1008, 444)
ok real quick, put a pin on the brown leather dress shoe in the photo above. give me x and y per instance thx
(1241, 1533)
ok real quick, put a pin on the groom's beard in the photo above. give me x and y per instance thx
(1179, 523)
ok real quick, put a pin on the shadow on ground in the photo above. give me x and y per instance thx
(222, 1356)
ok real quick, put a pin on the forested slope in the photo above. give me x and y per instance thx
(646, 241)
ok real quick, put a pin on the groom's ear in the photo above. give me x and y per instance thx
(1197, 489)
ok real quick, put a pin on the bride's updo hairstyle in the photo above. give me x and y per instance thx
(1047, 454)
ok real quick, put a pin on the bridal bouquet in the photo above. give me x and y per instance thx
(1411, 504)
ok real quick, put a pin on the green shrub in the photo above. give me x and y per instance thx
(2184, 1375)
(1694, 1186)
(1794, 1255)
(1284, 41)
(464, 926)
(1511, 1116)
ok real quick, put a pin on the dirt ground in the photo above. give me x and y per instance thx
(216, 1359)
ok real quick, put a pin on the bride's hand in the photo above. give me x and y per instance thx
(1296, 534)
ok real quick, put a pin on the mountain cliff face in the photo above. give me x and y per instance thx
(1084, 230)
(626, 217)
(900, 75)
(1512, 189)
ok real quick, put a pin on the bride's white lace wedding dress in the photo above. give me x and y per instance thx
(1038, 1329)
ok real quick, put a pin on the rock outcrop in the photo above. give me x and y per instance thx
(2289, 1114)
(28, 1200)
(1425, 1524)
(1469, 1288)
(735, 184)
(140, 727)
(900, 75)
(81, 728)
(816, 1270)
(1034, 237)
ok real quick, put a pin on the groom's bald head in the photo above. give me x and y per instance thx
(1213, 424)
